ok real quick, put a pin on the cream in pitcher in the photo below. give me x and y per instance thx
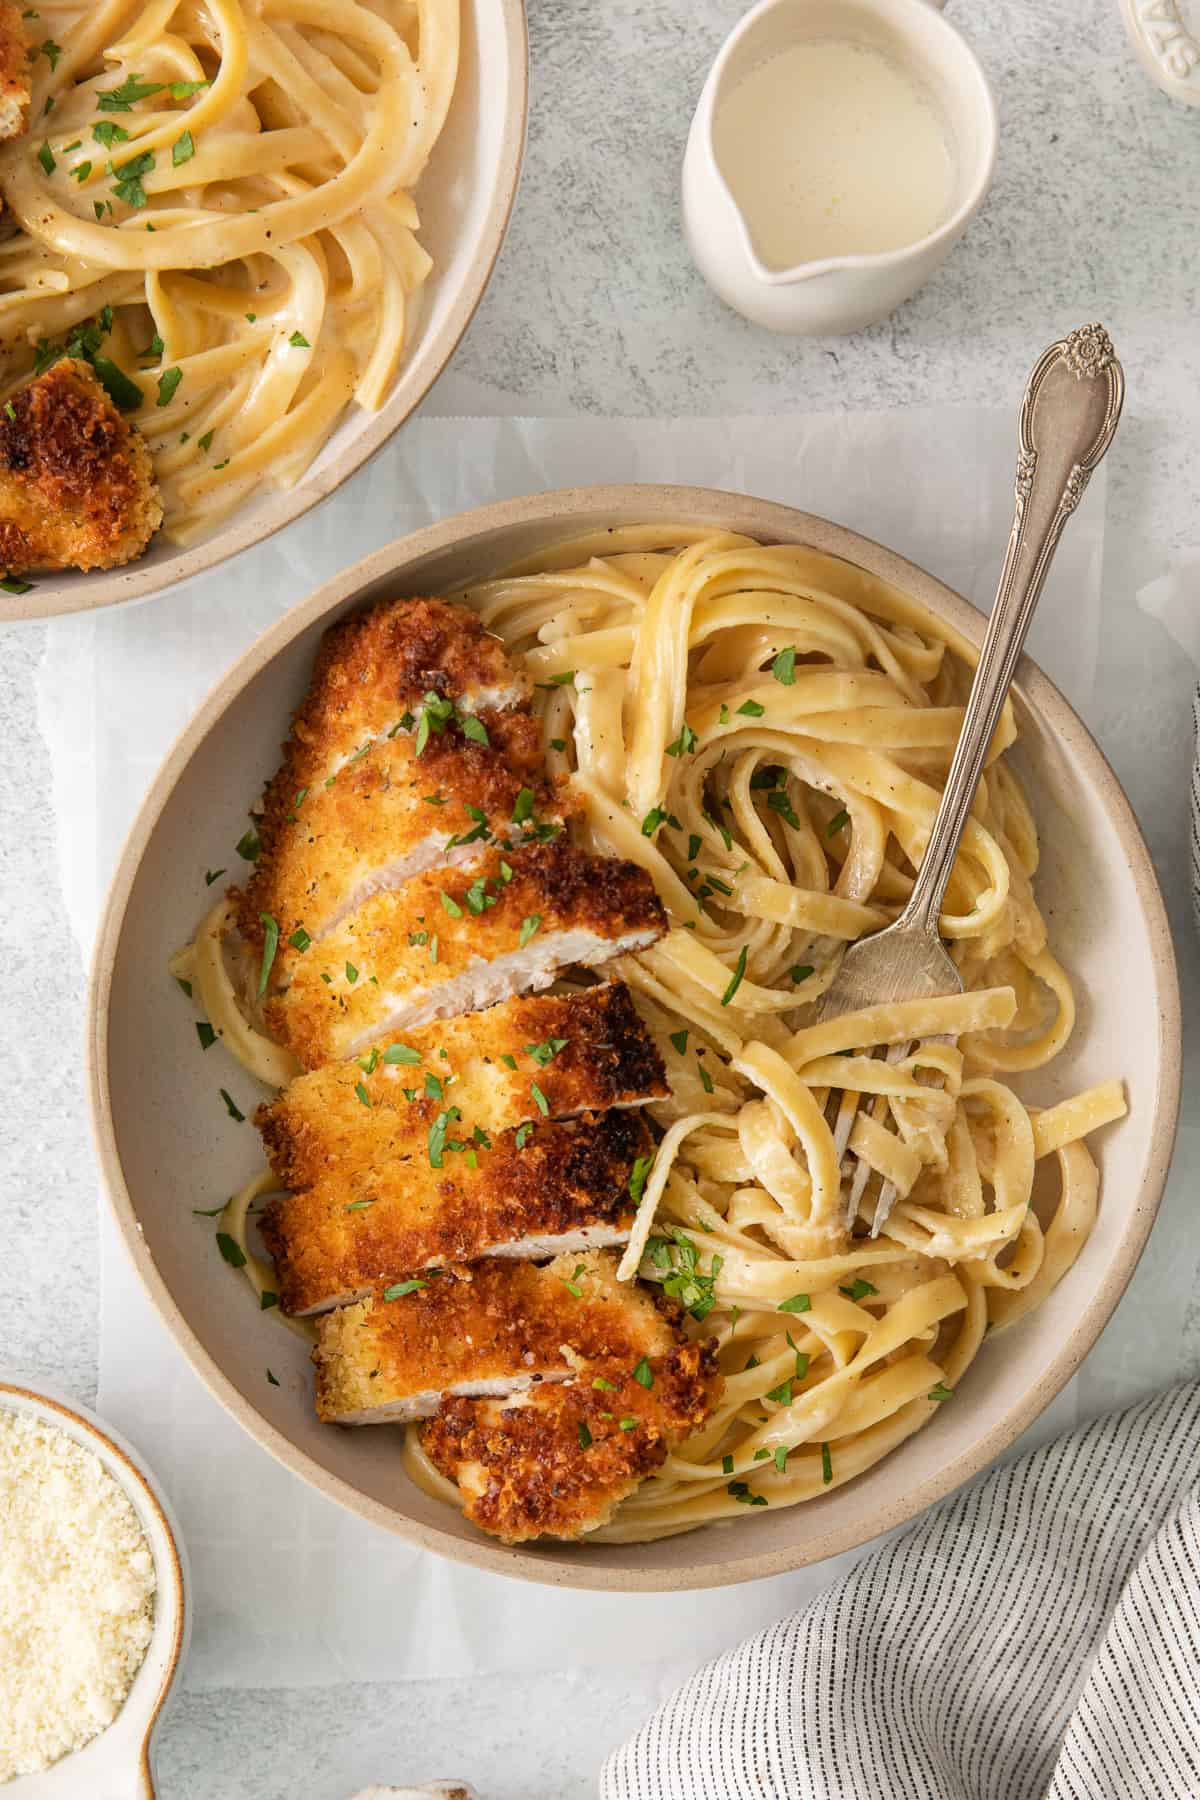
(830, 148)
(839, 149)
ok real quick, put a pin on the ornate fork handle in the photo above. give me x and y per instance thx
(1068, 417)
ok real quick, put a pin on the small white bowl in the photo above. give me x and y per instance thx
(836, 294)
(119, 1763)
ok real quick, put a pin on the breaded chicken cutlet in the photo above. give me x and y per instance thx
(77, 488)
(490, 1330)
(414, 714)
(452, 941)
(534, 1191)
(585, 1052)
(557, 1460)
(459, 1143)
(14, 72)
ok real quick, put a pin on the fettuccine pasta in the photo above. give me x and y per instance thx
(214, 204)
(766, 730)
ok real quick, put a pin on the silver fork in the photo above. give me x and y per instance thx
(1068, 417)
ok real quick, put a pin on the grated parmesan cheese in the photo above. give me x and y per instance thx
(76, 1595)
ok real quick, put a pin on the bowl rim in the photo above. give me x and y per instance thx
(137, 581)
(135, 1474)
(564, 1565)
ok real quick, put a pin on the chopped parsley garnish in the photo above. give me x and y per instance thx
(528, 927)
(826, 1465)
(799, 1303)
(696, 1292)
(298, 341)
(270, 946)
(433, 717)
(835, 824)
(437, 1135)
(122, 98)
(741, 1492)
(168, 381)
(185, 985)
(750, 709)
(558, 743)
(941, 1392)
(510, 1062)
(679, 1040)
(800, 971)
(523, 806)
(351, 973)
(652, 821)
(231, 1250)
(585, 1436)
(398, 1290)
(81, 171)
(598, 1381)
(362, 1093)
(105, 132)
(51, 51)
(858, 1290)
(735, 980)
(572, 1286)
(706, 1080)
(451, 906)
(473, 728)
(300, 939)
(727, 1465)
(781, 1457)
(266, 1300)
(546, 1051)
(434, 1089)
(248, 846)
(46, 157)
(685, 743)
(359, 1205)
(477, 897)
(231, 1106)
(272, 1379)
(211, 875)
(779, 802)
(127, 181)
(782, 1394)
(125, 394)
(784, 666)
(637, 1177)
(563, 680)
(206, 1034)
(183, 149)
(543, 1105)
(628, 1424)
(643, 1374)
(523, 1134)
(183, 90)
(401, 1053)
(693, 847)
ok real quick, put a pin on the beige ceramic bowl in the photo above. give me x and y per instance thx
(166, 1144)
(465, 197)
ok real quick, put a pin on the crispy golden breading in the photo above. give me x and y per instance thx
(557, 1460)
(492, 1328)
(452, 941)
(370, 679)
(14, 72)
(387, 816)
(77, 488)
(586, 1052)
(562, 1186)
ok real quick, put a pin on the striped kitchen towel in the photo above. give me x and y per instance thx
(1035, 1638)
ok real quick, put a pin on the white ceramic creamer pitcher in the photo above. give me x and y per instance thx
(841, 293)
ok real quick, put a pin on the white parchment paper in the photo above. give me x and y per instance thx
(290, 1591)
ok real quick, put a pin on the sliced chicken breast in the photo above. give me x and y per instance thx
(454, 941)
(533, 1192)
(585, 1052)
(558, 1459)
(412, 688)
(493, 1329)
(14, 71)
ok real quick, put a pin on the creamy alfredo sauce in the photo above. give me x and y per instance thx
(831, 149)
